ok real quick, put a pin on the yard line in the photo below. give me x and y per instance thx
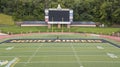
(76, 56)
(33, 55)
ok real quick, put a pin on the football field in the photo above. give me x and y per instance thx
(60, 54)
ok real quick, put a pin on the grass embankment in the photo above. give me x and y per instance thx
(6, 20)
(18, 29)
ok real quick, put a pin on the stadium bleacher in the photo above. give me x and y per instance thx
(83, 23)
(43, 23)
(34, 23)
(86, 24)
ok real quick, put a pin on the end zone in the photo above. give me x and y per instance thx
(60, 40)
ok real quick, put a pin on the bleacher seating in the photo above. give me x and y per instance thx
(34, 23)
(43, 23)
(86, 24)
(83, 23)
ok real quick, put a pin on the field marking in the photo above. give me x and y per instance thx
(100, 47)
(53, 55)
(76, 56)
(33, 55)
(12, 62)
(60, 51)
(15, 62)
(72, 62)
(112, 55)
(9, 48)
(73, 55)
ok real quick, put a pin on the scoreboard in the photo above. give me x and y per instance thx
(54, 16)
(58, 16)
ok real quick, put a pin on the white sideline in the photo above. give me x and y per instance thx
(75, 54)
(3, 62)
(11, 62)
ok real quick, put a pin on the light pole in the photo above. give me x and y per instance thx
(52, 23)
(62, 23)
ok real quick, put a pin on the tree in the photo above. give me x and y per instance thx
(104, 11)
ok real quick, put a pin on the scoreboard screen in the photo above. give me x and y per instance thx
(57, 15)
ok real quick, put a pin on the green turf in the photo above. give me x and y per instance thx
(60, 54)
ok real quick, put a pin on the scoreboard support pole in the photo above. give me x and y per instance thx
(62, 24)
(49, 26)
(68, 26)
(52, 24)
(59, 26)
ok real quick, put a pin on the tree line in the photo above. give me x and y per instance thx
(104, 11)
